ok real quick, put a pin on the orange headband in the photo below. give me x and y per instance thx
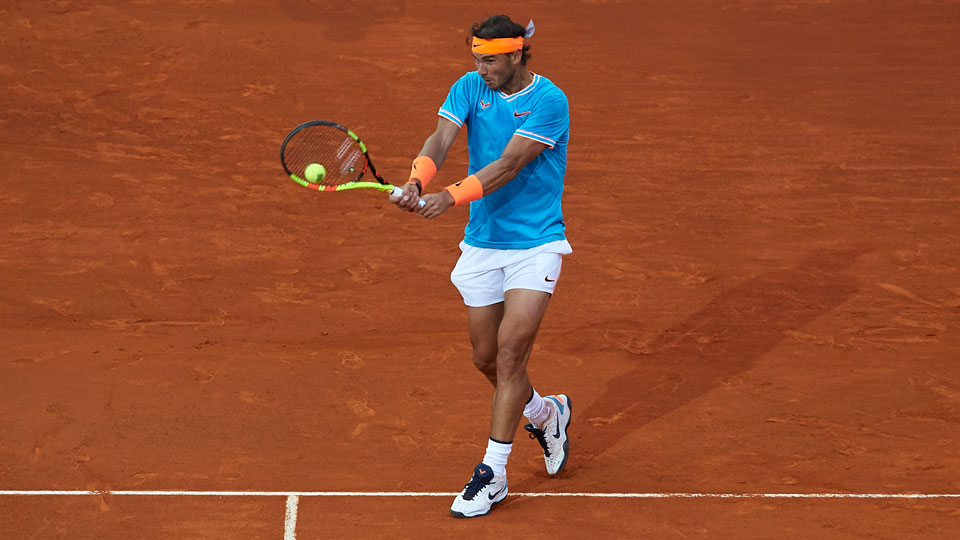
(497, 46)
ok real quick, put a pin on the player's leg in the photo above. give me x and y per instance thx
(488, 485)
(523, 311)
(484, 323)
(502, 340)
(479, 278)
(549, 416)
(512, 340)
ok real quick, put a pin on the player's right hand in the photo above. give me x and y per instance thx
(409, 199)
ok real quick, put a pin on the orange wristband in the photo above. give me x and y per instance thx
(423, 169)
(467, 190)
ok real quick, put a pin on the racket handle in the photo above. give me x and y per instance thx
(397, 192)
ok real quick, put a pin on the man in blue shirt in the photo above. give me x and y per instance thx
(518, 128)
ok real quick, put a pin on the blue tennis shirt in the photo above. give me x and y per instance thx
(526, 211)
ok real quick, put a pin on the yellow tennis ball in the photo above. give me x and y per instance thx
(315, 172)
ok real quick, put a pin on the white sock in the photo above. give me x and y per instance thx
(497, 455)
(537, 410)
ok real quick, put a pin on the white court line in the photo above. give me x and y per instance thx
(290, 518)
(294, 495)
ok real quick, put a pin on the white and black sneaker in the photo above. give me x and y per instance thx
(480, 494)
(553, 435)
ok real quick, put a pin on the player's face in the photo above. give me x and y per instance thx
(497, 70)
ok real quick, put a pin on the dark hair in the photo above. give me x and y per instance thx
(500, 26)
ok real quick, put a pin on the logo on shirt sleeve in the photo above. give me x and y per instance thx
(518, 114)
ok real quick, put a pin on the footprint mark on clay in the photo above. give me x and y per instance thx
(366, 272)
(201, 375)
(360, 274)
(351, 360)
(260, 90)
(360, 408)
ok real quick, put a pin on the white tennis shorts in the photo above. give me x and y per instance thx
(482, 275)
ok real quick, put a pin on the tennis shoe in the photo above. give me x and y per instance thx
(480, 494)
(552, 436)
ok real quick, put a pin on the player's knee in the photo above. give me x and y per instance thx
(514, 344)
(485, 363)
(512, 361)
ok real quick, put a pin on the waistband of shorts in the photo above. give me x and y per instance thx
(562, 247)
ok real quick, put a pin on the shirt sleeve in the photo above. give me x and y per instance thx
(457, 106)
(548, 122)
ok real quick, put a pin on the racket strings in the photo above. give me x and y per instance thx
(339, 154)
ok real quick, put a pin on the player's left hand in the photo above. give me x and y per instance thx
(436, 204)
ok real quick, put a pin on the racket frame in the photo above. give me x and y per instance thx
(380, 184)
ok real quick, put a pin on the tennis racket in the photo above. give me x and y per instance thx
(342, 155)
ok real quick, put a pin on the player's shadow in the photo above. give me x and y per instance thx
(723, 339)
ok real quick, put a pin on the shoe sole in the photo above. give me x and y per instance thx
(566, 438)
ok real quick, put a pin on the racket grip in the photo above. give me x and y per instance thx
(397, 192)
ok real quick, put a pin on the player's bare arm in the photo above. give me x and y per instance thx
(435, 147)
(519, 152)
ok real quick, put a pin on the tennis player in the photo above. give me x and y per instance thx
(518, 127)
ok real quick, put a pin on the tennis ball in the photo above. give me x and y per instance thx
(315, 172)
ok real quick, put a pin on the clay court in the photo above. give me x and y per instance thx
(759, 326)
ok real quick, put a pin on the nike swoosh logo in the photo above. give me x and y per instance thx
(559, 405)
(493, 496)
(548, 280)
(519, 114)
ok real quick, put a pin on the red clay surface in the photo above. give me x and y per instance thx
(764, 295)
